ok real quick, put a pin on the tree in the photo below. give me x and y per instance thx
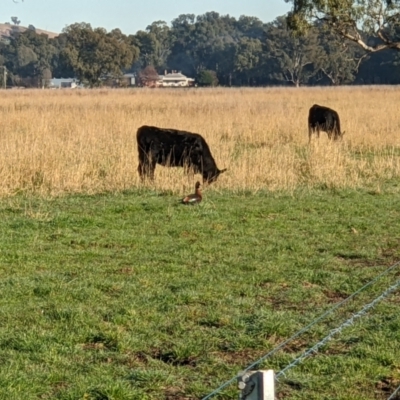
(25, 56)
(30, 55)
(251, 27)
(148, 76)
(207, 78)
(206, 42)
(147, 46)
(380, 19)
(338, 61)
(248, 56)
(94, 53)
(15, 20)
(182, 51)
(162, 39)
(60, 65)
(380, 68)
(292, 57)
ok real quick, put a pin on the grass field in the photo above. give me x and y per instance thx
(133, 296)
(112, 290)
(57, 142)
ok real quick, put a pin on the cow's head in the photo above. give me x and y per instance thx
(210, 178)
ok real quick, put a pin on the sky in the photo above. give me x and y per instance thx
(129, 15)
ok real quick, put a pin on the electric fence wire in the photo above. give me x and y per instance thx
(301, 331)
(333, 332)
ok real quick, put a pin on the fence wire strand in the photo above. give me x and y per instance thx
(393, 395)
(301, 331)
(333, 332)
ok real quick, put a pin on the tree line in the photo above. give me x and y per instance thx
(213, 48)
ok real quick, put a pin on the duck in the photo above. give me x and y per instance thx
(194, 198)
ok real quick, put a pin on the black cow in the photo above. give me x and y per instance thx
(174, 148)
(325, 119)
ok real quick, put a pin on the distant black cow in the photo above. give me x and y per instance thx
(325, 119)
(174, 148)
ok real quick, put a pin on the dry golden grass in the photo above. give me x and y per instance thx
(57, 142)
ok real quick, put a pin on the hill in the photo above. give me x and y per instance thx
(7, 29)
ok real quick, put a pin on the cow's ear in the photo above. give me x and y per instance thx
(222, 170)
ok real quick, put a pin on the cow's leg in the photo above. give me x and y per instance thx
(142, 165)
(140, 168)
(151, 167)
(146, 170)
(143, 171)
(146, 167)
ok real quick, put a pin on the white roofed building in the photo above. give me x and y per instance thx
(175, 79)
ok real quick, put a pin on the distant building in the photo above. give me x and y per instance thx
(128, 80)
(60, 83)
(175, 79)
(125, 80)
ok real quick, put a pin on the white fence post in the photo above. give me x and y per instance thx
(257, 385)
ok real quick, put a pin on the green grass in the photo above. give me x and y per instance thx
(134, 296)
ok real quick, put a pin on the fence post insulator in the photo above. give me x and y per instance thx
(256, 385)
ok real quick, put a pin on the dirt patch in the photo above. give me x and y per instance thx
(172, 358)
(297, 345)
(100, 341)
(283, 394)
(281, 303)
(336, 348)
(264, 285)
(242, 357)
(175, 393)
(360, 261)
(391, 253)
(134, 359)
(141, 357)
(394, 299)
(335, 296)
(126, 271)
(387, 257)
(386, 387)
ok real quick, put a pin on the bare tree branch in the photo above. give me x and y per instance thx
(376, 18)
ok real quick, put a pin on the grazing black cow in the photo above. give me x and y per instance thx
(174, 148)
(325, 119)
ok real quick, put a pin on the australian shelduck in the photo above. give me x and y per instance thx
(194, 198)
